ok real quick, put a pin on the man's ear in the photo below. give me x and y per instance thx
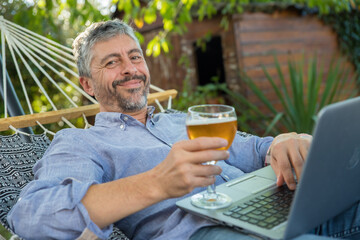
(87, 85)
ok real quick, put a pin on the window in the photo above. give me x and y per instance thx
(210, 61)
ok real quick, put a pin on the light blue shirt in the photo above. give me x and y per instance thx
(117, 146)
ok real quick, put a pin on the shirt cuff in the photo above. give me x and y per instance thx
(88, 235)
(91, 226)
(79, 190)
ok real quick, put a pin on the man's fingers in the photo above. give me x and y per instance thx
(284, 170)
(303, 150)
(298, 156)
(204, 175)
(204, 181)
(206, 170)
(297, 162)
(289, 179)
(275, 167)
(202, 149)
(280, 180)
(203, 143)
(210, 155)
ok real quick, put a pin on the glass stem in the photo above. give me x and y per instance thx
(211, 193)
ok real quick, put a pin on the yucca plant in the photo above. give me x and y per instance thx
(302, 98)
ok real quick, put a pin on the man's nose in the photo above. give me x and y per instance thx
(128, 68)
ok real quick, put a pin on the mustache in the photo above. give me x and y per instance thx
(128, 78)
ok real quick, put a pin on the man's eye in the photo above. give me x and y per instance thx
(112, 64)
(136, 57)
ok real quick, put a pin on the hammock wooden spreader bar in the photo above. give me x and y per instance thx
(71, 113)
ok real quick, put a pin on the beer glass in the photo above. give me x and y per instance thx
(211, 120)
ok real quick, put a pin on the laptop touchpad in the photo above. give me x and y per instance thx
(252, 184)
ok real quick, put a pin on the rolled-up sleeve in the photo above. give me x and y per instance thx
(50, 206)
(248, 151)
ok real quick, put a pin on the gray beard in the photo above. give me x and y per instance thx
(129, 105)
(135, 102)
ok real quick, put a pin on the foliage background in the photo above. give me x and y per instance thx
(175, 14)
(60, 20)
(347, 26)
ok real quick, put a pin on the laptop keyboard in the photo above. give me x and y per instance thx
(267, 210)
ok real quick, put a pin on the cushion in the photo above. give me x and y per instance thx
(17, 157)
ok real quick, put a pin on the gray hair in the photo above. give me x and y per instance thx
(96, 32)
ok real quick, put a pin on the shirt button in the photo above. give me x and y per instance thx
(122, 126)
(125, 118)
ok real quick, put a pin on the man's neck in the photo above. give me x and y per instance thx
(140, 115)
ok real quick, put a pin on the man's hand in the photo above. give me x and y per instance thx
(183, 168)
(288, 151)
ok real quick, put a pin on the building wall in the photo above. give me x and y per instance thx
(288, 35)
(250, 43)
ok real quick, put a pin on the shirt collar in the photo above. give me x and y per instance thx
(115, 119)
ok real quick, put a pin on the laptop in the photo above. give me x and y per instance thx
(330, 183)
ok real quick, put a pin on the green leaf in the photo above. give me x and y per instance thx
(294, 75)
(283, 86)
(242, 99)
(150, 15)
(150, 47)
(168, 25)
(49, 5)
(277, 91)
(330, 82)
(271, 126)
(165, 45)
(136, 3)
(156, 49)
(224, 23)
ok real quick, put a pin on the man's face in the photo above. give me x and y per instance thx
(120, 77)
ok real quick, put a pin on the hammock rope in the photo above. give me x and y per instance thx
(3, 64)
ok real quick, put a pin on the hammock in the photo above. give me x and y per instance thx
(44, 59)
(50, 66)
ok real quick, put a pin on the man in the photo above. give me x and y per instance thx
(132, 166)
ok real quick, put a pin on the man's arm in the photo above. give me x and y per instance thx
(176, 176)
(69, 196)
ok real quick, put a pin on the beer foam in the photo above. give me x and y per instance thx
(205, 121)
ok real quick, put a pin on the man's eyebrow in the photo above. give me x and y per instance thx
(135, 50)
(103, 60)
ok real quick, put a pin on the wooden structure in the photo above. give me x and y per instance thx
(30, 120)
(250, 42)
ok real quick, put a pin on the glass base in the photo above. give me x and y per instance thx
(219, 201)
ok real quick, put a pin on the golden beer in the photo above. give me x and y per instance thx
(211, 120)
(223, 128)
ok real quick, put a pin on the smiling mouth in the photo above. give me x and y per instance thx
(127, 82)
(131, 84)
